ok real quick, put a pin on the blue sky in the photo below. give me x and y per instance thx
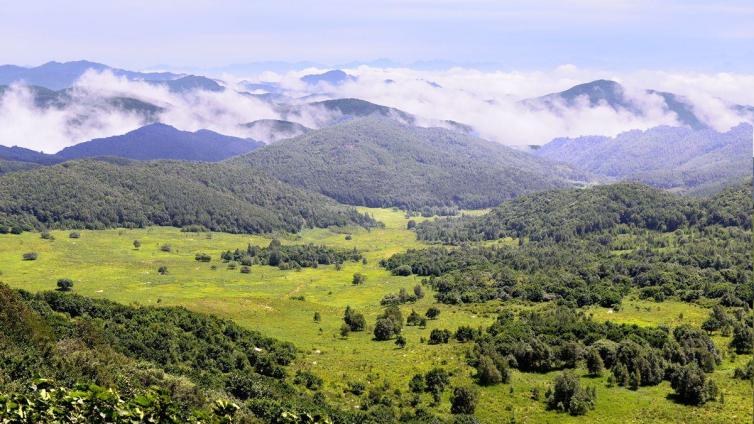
(618, 35)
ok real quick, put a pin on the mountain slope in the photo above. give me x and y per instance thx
(356, 108)
(8, 166)
(334, 77)
(190, 83)
(21, 154)
(57, 76)
(682, 159)
(221, 197)
(160, 141)
(45, 98)
(380, 162)
(614, 95)
(272, 130)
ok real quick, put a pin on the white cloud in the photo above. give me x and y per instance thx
(488, 101)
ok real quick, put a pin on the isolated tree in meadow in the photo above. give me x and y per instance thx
(419, 291)
(137, 244)
(413, 318)
(463, 401)
(400, 341)
(166, 248)
(432, 313)
(411, 224)
(74, 235)
(358, 278)
(162, 270)
(354, 320)
(384, 329)
(30, 256)
(65, 284)
(345, 329)
(438, 336)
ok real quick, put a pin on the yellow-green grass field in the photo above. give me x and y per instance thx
(105, 264)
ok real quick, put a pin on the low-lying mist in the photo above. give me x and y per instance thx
(487, 101)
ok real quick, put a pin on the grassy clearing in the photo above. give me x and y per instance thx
(106, 264)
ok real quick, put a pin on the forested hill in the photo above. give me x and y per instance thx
(379, 162)
(681, 159)
(221, 197)
(99, 361)
(560, 215)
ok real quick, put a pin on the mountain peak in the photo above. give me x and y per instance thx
(162, 141)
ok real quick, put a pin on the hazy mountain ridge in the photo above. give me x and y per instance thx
(160, 141)
(57, 76)
(614, 95)
(667, 157)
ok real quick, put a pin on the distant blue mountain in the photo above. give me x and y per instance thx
(57, 76)
(20, 154)
(191, 83)
(334, 77)
(160, 141)
(612, 94)
(681, 159)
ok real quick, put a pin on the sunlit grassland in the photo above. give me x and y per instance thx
(105, 264)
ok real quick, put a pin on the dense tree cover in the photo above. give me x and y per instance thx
(707, 254)
(560, 338)
(291, 256)
(46, 403)
(100, 357)
(567, 214)
(221, 197)
(688, 264)
(379, 162)
(8, 166)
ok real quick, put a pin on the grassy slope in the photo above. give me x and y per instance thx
(105, 264)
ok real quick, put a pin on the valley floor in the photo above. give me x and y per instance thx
(105, 264)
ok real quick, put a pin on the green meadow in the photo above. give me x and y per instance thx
(282, 304)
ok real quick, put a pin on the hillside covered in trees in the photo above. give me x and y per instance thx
(221, 197)
(65, 356)
(560, 215)
(380, 162)
(680, 159)
(593, 246)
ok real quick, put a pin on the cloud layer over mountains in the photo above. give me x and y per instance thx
(490, 102)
